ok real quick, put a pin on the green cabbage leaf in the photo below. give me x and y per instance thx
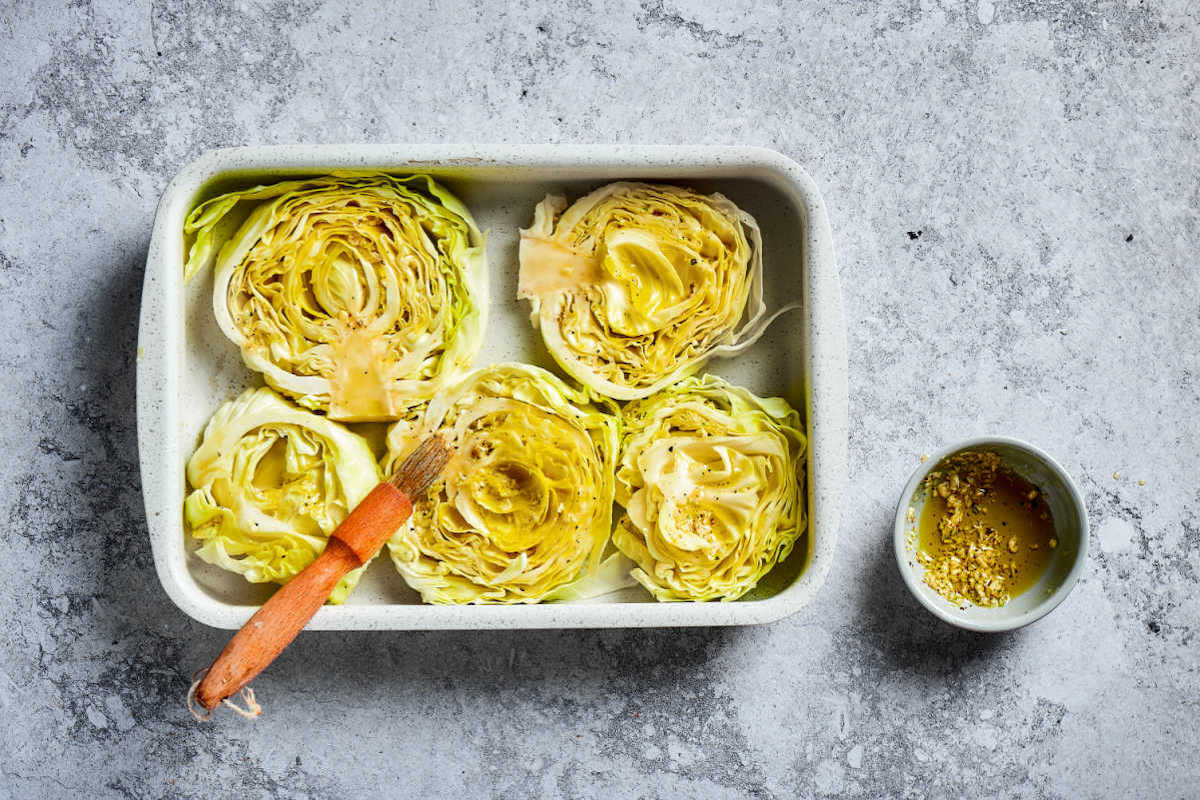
(355, 294)
(711, 479)
(637, 285)
(523, 511)
(270, 482)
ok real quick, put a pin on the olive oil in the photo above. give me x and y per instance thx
(271, 470)
(985, 534)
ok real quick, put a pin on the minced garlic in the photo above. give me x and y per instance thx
(985, 534)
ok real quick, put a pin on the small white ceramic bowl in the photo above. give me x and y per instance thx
(1070, 525)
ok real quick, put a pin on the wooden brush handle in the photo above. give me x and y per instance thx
(284, 615)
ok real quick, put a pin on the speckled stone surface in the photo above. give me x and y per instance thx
(1014, 195)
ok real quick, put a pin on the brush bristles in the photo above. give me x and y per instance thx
(422, 467)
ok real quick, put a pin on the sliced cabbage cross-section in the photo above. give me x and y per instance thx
(523, 510)
(358, 295)
(270, 482)
(636, 285)
(710, 477)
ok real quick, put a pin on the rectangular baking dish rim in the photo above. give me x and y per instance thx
(161, 356)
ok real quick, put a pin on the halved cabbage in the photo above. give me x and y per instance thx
(358, 295)
(523, 511)
(270, 483)
(710, 477)
(636, 285)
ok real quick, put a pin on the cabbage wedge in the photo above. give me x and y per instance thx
(711, 480)
(270, 483)
(523, 511)
(357, 295)
(637, 285)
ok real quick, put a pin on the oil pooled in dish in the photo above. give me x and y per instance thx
(985, 534)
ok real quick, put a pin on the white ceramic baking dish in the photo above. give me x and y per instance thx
(186, 368)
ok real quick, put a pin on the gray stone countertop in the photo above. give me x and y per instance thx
(1014, 192)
